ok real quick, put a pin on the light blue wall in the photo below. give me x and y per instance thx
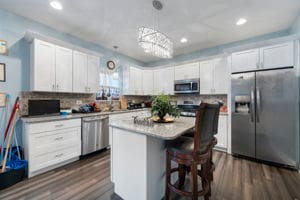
(295, 28)
(13, 28)
(215, 50)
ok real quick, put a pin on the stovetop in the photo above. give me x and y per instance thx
(188, 110)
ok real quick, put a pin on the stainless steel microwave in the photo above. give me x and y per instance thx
(189, 86)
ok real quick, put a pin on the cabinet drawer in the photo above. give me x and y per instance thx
(52, 126)
(55, 137)
(45, 160)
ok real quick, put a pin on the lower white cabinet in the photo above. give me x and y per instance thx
(48, 145)
(222, 132)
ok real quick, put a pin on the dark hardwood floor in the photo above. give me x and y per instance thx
(89, 178)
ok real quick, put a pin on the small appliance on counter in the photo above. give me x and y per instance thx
(43, 107)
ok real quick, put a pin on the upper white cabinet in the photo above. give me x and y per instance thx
(42, 66)
(207, 77)
(187, 71)
(58, 69)
(80, 72)
(221, 76)
(93, 74)
(281, 55)
(214, 76)
(63, 68)
(275, 56)
(132, 81)
(163, 80)
(86, 73)
(245, 60)
(147, 82)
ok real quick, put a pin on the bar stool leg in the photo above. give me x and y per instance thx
(181, 175)
(168, 176)
(206, 179)
(194, 174)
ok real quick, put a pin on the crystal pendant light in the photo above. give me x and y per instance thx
(153, 41)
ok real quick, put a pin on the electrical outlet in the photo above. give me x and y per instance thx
(78, 102)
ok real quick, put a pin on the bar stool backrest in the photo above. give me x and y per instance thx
(206, 125)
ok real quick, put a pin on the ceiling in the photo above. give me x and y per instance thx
(205, 23)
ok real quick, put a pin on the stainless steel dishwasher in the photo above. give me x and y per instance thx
(95, 134)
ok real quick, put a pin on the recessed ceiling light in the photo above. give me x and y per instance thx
(241, 21)
(183, 40)
(56, 5)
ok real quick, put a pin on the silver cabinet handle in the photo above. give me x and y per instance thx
(57, 87)
(53, 86)
(59, 155)
(58, 138)
(59, 125)
(258, 109)
(252, 103)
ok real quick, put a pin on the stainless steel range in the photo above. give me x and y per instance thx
(188, 109)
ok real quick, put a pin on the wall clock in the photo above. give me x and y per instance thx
(110, 65)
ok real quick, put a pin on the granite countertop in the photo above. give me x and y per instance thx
(165, 131)
(74, 116)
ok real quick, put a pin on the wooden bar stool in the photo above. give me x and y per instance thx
(190, 152)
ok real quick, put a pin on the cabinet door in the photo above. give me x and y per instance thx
(93, 74)
(167, 79)
(156, 81)
(281, 55)
(245, 60)
(138, 81)
(188, 71)
(222, 132)
(221, 76)
(206, 77)
(63, 69)
(79, 72)
(147, 82)
(43, 66)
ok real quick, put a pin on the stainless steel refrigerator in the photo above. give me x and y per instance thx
(265, 115)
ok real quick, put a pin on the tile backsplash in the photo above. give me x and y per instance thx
(67, 100)
(179, 99)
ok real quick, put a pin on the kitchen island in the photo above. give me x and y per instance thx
(138, 156)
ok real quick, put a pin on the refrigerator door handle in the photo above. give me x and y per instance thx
(252, 107)
(258, 104)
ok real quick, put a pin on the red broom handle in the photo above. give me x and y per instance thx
(16, 105)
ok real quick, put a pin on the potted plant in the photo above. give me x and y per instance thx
(161, 106)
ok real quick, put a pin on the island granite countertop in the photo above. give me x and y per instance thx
(165, 131)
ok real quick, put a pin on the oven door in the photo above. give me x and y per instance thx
(186, 86)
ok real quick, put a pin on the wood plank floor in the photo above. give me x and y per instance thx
(89, 178)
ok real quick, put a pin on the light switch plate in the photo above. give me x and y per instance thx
(2, 99)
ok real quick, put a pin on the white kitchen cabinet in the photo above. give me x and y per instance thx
(132, 81)
(214, 76)
(275, 56)
(48, 145)
(42, 66)
(163, 80)
(58, 69)
(63, 68)
(80, 63)
(221, 76)
(207, 77)
(245, 60)
(222, 132)
(187, 71)
(147, 82)
(93, 74)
